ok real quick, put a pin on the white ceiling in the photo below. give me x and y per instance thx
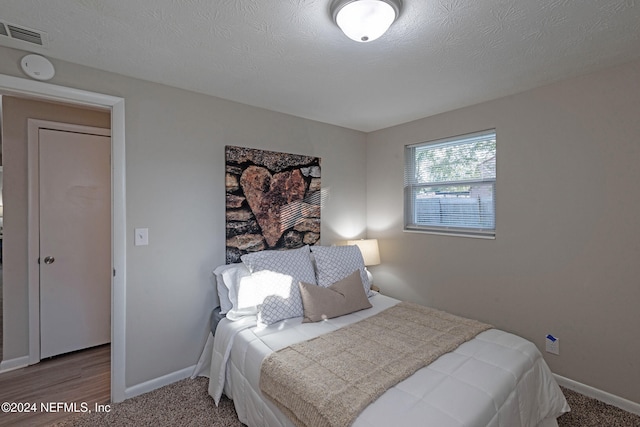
(288, 56)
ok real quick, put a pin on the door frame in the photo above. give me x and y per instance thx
(33, 227)
(16, 86)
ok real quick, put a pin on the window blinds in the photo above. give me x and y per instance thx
(450, 185)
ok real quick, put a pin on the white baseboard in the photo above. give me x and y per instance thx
(595, 393)
(155, 383)
(11, 364)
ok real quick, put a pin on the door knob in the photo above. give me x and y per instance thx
(49, 260)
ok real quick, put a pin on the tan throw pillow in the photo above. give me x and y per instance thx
(342, 297)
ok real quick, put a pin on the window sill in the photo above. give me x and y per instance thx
(451, 233)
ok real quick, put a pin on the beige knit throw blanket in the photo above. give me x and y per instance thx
(329, 380)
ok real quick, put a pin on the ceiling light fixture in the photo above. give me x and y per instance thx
(365, 20)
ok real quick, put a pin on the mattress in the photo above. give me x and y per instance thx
(496, 379)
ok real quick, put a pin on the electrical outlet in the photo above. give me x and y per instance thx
(552, 344)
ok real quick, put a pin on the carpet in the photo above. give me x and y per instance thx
(184, 403)
(187, 403)
(588, 412)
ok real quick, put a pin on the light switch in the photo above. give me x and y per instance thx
(142, 236)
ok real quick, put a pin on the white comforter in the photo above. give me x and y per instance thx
(496, 379)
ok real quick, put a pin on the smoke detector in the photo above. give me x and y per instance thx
(37, 67)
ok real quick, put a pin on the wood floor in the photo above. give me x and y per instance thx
(76, 379)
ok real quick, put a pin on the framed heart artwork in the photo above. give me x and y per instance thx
(273, 201)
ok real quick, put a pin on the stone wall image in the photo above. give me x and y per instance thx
(272, 201)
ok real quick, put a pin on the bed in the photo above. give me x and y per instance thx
(494, 378)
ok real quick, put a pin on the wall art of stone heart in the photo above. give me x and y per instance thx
(272, 201)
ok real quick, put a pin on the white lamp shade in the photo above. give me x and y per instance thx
(369, 250)
(365, 20)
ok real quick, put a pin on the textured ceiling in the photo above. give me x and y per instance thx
(288, 56)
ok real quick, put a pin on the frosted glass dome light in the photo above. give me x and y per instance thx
(365, 20)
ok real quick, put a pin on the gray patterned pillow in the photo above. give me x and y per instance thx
(255, 288)
(334, 263)
(294, 262)
(275, 308)
(293, 266)
(280, 297)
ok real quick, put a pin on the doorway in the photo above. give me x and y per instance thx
(20, 87)
(70, 212)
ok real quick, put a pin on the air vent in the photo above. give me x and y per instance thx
(23, 34)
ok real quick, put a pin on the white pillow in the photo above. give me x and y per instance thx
(334, 263)
(227, 282)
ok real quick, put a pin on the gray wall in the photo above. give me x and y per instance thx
(175, 170)
(566, 258)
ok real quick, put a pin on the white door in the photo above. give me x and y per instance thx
(75, 241)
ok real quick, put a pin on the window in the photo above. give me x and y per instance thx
(450, 185)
